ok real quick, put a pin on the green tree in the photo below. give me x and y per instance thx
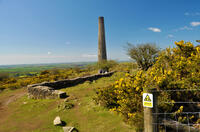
(198, 41)
(106, 64)
(144, 54)
(4, 76)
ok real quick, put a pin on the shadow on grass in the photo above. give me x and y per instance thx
(63, 123)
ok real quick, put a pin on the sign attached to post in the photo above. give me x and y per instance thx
(148, 100)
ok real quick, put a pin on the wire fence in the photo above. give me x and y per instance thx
(182, 121)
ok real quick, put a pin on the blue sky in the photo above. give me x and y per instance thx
(51, 31)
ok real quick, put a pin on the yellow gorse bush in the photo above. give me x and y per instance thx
(45, 76)
(175, 68)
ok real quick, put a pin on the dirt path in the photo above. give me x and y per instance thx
(7, 98)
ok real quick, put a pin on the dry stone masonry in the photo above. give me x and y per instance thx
(50, 90)
(44, 92)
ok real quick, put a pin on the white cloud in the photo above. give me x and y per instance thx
(44, 58)
(184, 28)
(49, 53)
(33, 59)
(67, 43)
(154, 29)
(194, 24)
(89, 56)
(197, 13)
(186, 14)
(192, 14)
(170, 36)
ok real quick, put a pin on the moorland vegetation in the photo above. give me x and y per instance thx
(171, 69)
(175, 68)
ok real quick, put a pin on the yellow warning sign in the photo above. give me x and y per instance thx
(148, 100)
(147, 104)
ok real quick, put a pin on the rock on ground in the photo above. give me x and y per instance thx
(57, 121)
(69, 129)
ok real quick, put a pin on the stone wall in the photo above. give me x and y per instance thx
(50, 90)
(44, 92)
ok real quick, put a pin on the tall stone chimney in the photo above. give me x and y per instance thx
(101, 41)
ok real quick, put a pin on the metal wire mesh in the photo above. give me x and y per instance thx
(167, 120)
(187, 126)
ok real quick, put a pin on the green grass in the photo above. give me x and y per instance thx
(27, 115)
(27, 69)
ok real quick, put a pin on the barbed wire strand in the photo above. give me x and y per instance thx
(178, 122)
(190, 124)
(175, 90)
(177, 113)
(180, 102)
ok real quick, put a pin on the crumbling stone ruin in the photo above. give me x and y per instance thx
(50, 90)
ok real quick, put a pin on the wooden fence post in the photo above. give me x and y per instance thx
(150, 119)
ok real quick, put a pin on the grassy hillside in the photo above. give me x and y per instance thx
(20, 114)
(34, 69)
(10, 81)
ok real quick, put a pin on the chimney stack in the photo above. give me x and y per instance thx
(101, 41)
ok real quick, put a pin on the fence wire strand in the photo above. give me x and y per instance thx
(176, 113)
(180, 102)
(175, 90)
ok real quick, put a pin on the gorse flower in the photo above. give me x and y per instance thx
(175, 68)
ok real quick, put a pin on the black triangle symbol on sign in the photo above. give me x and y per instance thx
(147, 98)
